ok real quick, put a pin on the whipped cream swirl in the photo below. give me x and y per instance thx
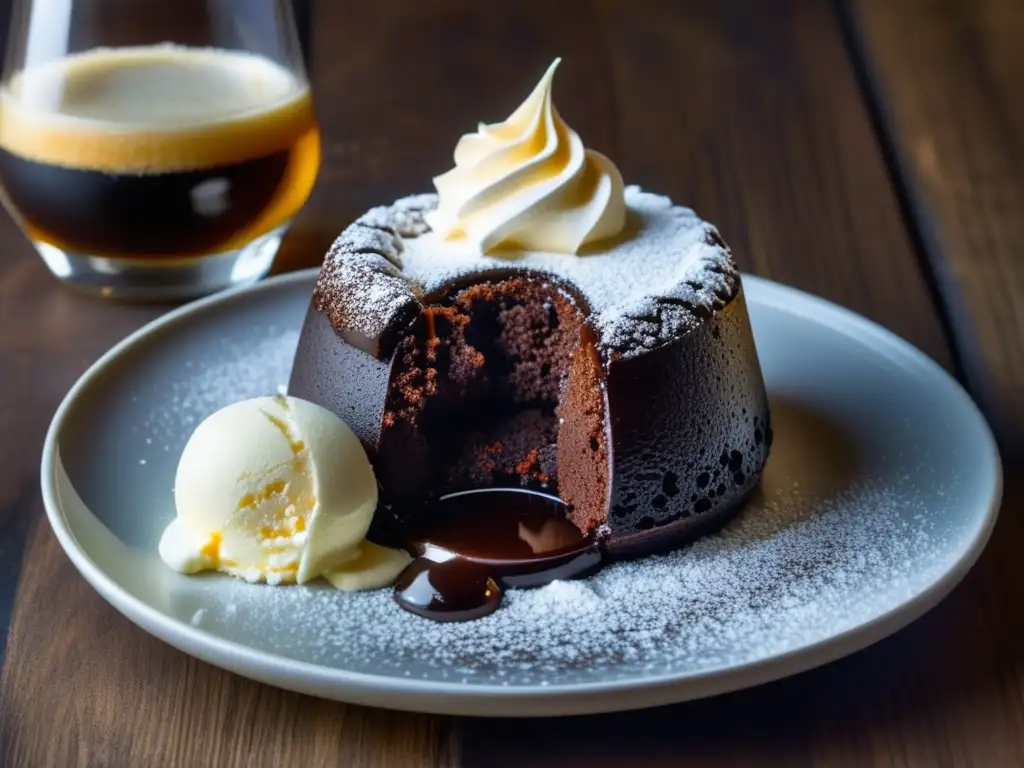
(529, 183)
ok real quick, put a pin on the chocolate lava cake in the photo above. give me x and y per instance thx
(624, 380)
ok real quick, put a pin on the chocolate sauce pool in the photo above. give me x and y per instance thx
(473, 544)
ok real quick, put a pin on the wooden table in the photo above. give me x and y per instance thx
(871, 151)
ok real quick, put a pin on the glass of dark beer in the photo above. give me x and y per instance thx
(155, 149)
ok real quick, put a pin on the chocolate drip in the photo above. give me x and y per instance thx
(475, 543)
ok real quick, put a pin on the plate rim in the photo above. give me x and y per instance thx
(456, 698)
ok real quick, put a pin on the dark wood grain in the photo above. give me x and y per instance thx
(751, 114)
(946, 691)
(120, 697)
(47, 338)
(756, 119)
(947, 79)
(939, 693)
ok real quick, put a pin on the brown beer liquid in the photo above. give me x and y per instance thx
(156, 152)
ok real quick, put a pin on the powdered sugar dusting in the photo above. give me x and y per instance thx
(664, 245)
(228, 373)
(809, 558)
(667, 272)
(790, 570)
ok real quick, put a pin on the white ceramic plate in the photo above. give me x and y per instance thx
(880, 494)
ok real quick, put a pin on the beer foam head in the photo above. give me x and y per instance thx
(153, 108)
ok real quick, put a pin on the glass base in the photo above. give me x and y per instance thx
(151, 280)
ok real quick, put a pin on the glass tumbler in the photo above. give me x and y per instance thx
(155, 150)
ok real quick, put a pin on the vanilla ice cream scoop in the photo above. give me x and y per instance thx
(277, 489)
